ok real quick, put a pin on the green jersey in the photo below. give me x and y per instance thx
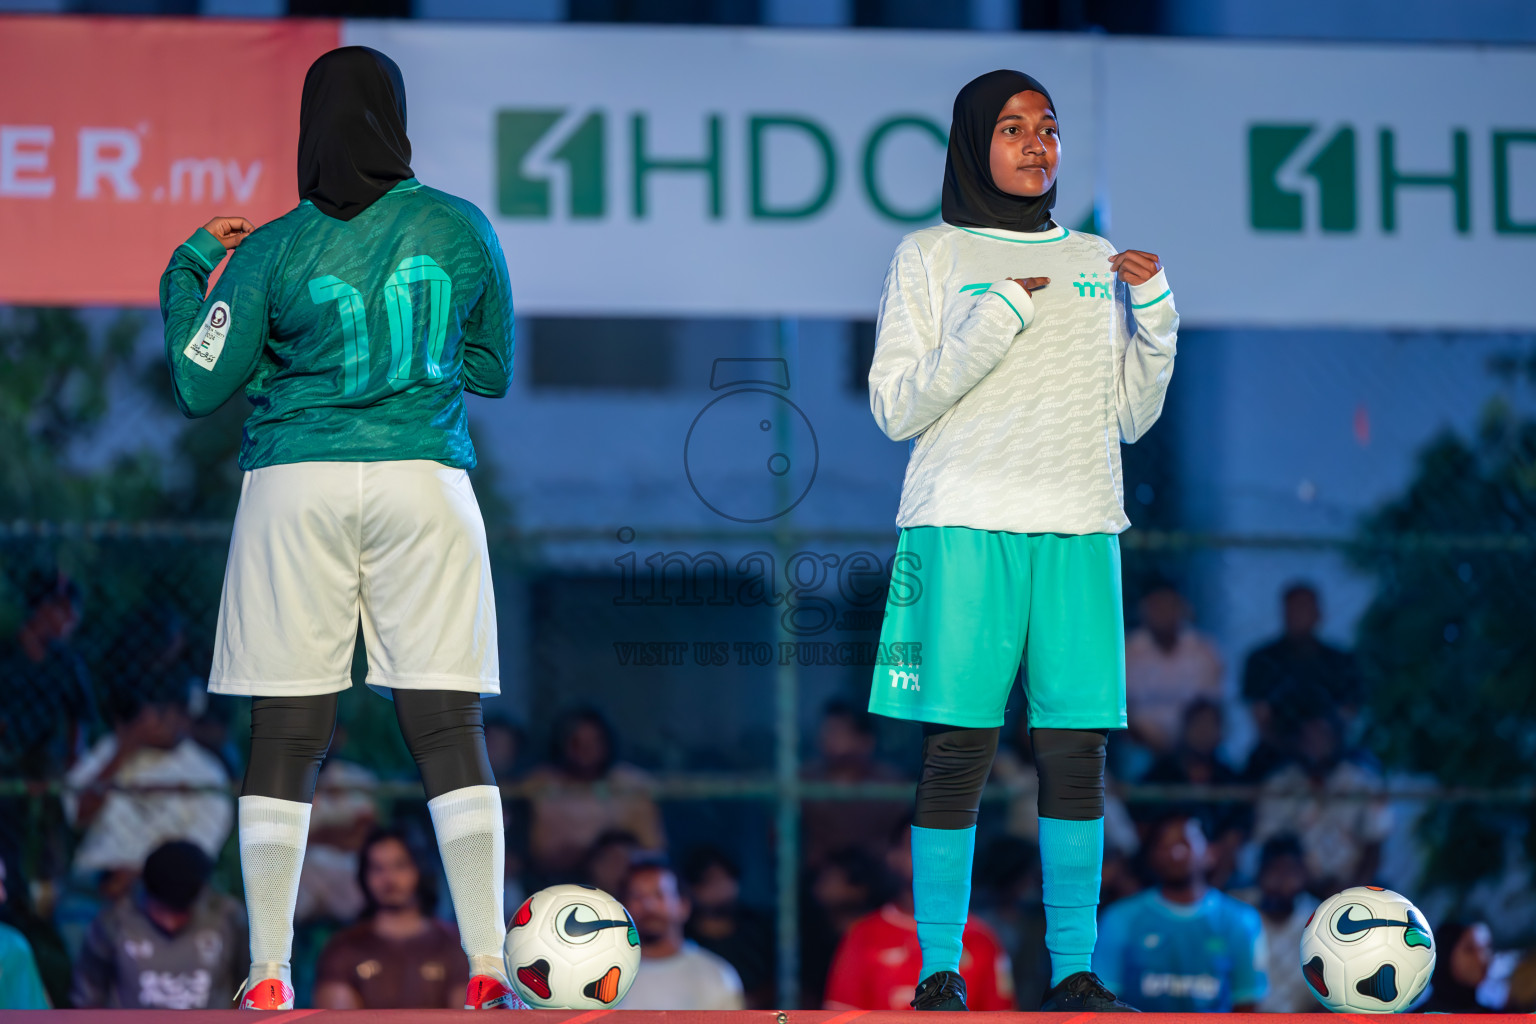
(354, 340)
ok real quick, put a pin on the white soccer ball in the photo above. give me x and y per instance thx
(1367, 950)
(572, 947)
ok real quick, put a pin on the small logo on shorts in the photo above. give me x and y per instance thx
(904, 679)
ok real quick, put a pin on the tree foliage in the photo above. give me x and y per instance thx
(1449, 642)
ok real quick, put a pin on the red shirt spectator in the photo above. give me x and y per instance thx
(876, 965)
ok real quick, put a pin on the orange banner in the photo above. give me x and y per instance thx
(120, 136)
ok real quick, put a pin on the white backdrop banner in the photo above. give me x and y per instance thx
(736, 172)
(1307, 185)
(764, 172)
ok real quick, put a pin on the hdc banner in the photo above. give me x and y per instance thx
(1306, 185)
(771, 172)
(717, 172)
(120, 136)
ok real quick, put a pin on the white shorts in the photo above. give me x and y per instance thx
(320, 547)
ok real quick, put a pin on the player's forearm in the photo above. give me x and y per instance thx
(182, 287)
(912, 385)
(1149, 356)
(212, 342)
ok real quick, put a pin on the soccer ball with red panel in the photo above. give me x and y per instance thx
(1367, 950)
(572, 947)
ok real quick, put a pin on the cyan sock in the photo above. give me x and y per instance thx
(941, 893)
(1071, 860)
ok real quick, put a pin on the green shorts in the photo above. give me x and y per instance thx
(975, 604)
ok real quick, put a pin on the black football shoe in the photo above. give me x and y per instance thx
(1084, 991)
(943, 990)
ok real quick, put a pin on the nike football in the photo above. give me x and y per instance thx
(572, 947)
(1367, 950)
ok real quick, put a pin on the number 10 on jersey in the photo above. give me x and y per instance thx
(411, 360)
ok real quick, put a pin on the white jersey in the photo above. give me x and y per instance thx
(1017, 404)
(690, 979)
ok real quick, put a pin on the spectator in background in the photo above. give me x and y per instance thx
(1521, 997)
(504, 740)
(877, 964)
(47, 948)
(47, 705)
(1293, 673)
(722, 924)
(150, 746)
(1284, 906)
(607, 863)
(21, 985)
(565, 825)
(848, 884)
(846, 754)
(174, 944)
(397, 957)
(341, 818)
(1465, 952)
(1182, 947)
(675, 974)
(1168, 664)
(1196, 761)
(1338, 808)
(47, 711)
(1009, 896)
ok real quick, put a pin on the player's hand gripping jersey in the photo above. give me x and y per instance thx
(354, 339)
(1017, 403)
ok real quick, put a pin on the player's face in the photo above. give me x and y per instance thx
(586, 749)
(1179, 853)
(654, 902)
(1163, 612)
(392, 877)
(1026, 146)
(1473, 955)
(1284, 879)
(1302, 614)
(716, 889)
(1202, 734)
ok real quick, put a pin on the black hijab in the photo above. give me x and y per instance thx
(971, 200)
(352, 144)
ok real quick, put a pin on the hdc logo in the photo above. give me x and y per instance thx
(557, 162)
(1287, 162)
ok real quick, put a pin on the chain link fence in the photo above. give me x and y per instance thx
(715, 658)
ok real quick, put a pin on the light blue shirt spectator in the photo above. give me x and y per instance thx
(1166, 957)
(21, 988)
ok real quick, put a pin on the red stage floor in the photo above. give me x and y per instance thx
(669, 1017)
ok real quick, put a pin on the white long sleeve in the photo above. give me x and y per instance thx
(921, 368)
(1017, 404)
(1150, 338)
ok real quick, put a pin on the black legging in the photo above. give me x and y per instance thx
(956, 763)
(443, 729)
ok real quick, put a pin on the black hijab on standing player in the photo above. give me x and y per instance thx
(971, 200)
(352, 143)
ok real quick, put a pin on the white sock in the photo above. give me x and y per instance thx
(273, 834)
(473, 848)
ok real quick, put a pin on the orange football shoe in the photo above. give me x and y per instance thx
(488, 992)
(267, 994)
